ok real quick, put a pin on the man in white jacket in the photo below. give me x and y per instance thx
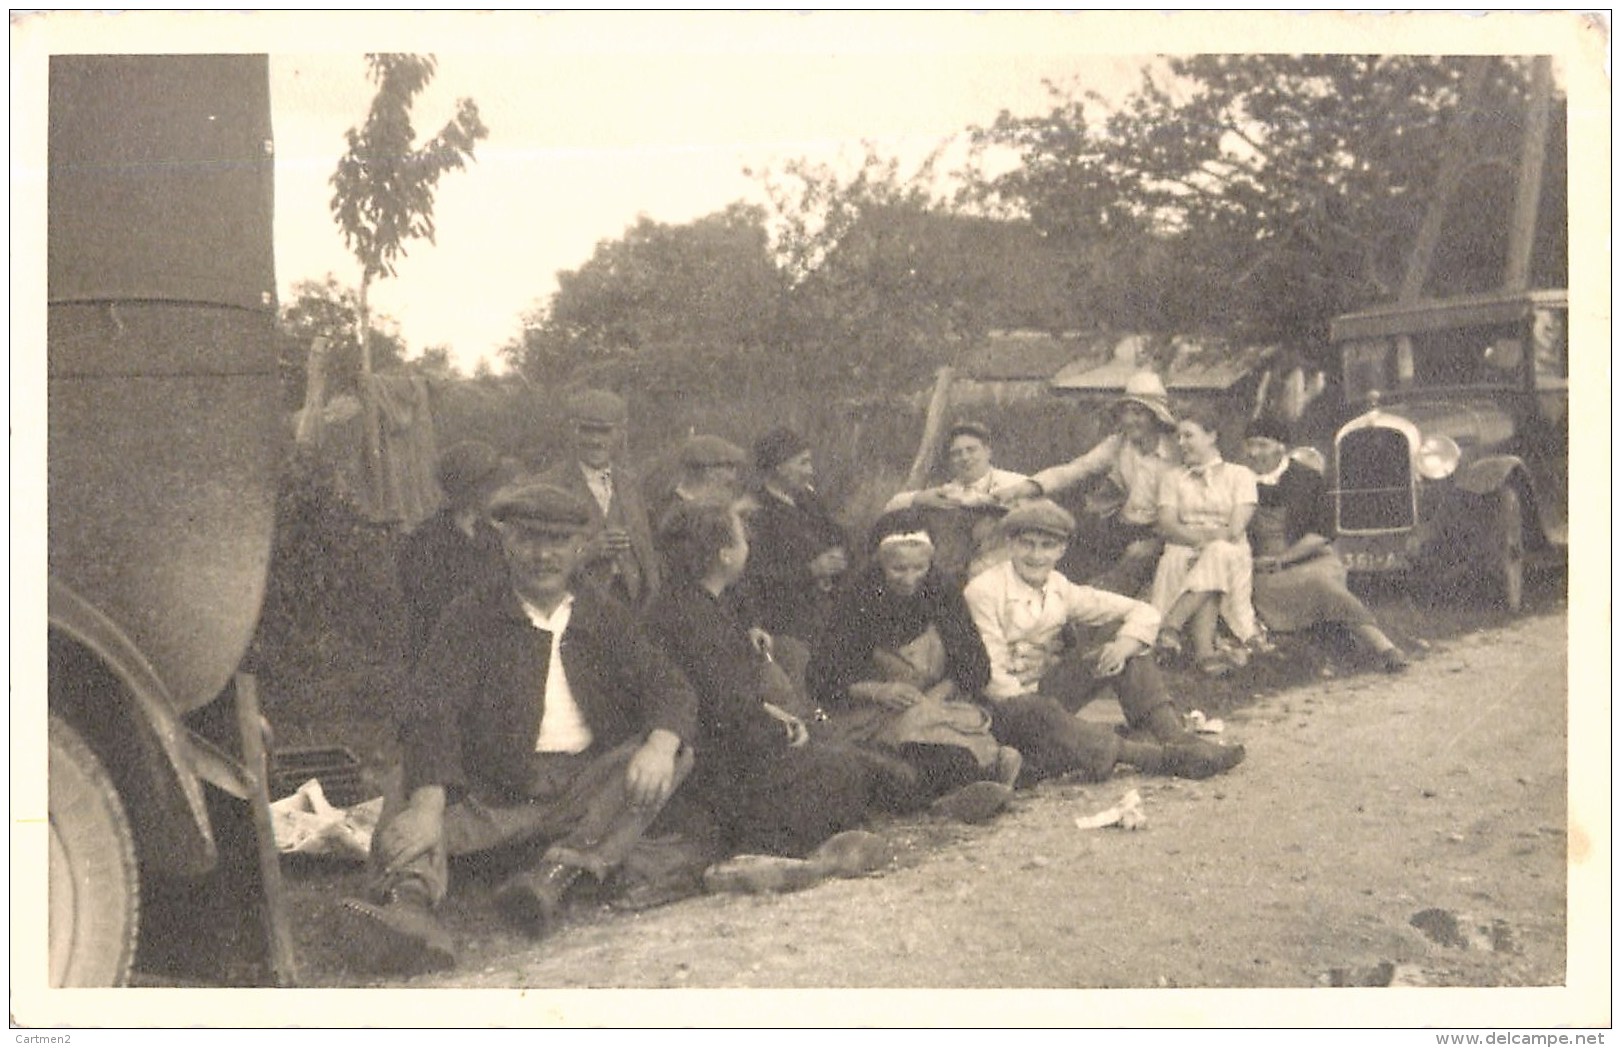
(1054, 645)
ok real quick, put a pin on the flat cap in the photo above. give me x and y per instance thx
(776, 447)
(1042, 515)
(466, 465)
(970, 427)
(531, 503)
(707, 450)
(597, 407)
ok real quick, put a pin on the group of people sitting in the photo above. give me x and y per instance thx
(654, 692)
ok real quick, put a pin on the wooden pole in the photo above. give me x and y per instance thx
(933, 421)
(1528, 189)
(278, 935)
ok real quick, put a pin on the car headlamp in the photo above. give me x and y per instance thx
(1437, 457)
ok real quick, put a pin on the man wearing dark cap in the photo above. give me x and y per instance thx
(456, 549)
(711, 470)
(1053, 645)
(539, 714)
(963, 512)
(618, 554)
(798, 549)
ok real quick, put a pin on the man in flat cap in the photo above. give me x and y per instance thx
(618, 554)
(1053, 645)
(711, 471)
(538, 715)
(456, 549)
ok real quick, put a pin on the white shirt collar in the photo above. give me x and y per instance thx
(1272, 477)
(557, 621)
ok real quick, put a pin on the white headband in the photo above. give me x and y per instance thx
(906, 538)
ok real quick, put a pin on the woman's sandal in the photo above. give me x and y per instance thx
(1215, 666)
(1168, 646)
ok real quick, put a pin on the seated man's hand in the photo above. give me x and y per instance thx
(650, 776)
(415, 831)
(1023, 489)
(898, 696)
(798, 734)
(934, 498)
(597, 547)
(1113, 655)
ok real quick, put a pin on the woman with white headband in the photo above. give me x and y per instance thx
(899, 665)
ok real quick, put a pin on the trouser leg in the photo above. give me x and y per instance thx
(581, 805)
(1145, 700)
(1052, 740)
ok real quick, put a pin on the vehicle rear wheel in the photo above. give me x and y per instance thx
(1509, 538)
(94, 882)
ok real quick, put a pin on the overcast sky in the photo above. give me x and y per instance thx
(582, 141)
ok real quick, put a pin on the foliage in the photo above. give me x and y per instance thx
(847, 284)
(660, 305)
(382, 190)
(327, 309)
(1262, 194)
(332, 604)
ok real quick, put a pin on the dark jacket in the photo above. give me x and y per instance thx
(437, 563)
(704, 638)
(476, 697)
(863, 619)
(778, 591)
(632, 512)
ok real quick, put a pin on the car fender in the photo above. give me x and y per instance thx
(146, 746)
(1484, 476)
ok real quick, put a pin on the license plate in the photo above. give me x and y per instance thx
(1360, 560)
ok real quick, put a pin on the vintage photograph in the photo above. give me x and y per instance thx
(587, 503)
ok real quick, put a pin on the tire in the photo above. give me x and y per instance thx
(1508, 549)
(94, 882)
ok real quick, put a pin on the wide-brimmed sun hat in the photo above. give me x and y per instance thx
(1145, 388)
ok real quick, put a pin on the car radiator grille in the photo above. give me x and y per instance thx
(1375, 481)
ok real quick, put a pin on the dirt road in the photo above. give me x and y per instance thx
(1367, 803)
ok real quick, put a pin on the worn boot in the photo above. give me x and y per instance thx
(1164, 723)
(1192, 759)
(532, 901)
(398, 936)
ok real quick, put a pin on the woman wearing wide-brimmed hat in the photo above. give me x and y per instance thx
(1123, 502)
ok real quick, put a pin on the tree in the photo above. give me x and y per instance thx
(883, 281)
(1259, 195)
(383, 187)
(668, 304)
(329, 310)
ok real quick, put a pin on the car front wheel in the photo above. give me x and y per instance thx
(94, 884)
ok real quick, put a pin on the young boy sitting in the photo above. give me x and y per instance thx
(1054, 645)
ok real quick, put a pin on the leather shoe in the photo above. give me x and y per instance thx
(400, 937)
(533, 900)
(975, 802)
(1200, 760)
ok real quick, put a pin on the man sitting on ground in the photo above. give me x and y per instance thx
(538, 715)
(1054, 645)
(963, 512)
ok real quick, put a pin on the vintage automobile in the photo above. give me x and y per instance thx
(163, 433)
(1458, 464)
